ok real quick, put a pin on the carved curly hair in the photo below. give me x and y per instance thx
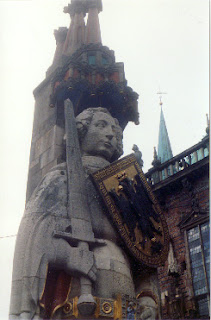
(83, 121)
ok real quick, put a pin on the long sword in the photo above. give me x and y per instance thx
(78, 209)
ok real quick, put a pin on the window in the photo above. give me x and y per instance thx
(104, 61)
(206, 152)
(91, 60)
(199, 251)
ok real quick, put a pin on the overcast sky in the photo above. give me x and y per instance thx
(164, 46)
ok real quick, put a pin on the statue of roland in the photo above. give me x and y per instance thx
(38, 251)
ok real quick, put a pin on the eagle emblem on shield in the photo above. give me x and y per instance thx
(134, 210)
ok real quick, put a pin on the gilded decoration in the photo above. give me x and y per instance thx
(134, 210)
(118, 308)
(68, 308)
(105, 308)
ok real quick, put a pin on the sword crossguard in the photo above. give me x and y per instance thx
(74, 241)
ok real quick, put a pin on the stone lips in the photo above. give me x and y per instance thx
(105, 180)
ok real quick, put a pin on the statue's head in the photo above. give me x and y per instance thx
(99, 134)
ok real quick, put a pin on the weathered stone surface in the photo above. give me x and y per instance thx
(42, 110)
(45, 213)
(33, 181)
(105, 262)
(109, 283)
(49, 166)
(34, 163)
(148, 308)
(49, 155)
(111, 257)
(52, 136)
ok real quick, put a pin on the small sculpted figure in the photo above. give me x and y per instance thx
(131, 311)
(138, 155)
(37, 250)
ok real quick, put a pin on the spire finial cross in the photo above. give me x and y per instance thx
(161, 93)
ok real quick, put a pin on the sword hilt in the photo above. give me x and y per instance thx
(74, 240)
(86, 303)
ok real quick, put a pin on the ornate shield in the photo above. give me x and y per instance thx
(134, 210)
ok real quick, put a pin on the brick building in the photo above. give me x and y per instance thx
(181, 184)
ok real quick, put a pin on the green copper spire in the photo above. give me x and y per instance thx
(164, 146)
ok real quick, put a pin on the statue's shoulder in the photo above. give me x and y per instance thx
(57, 172)
(50, 192)
(59, 167)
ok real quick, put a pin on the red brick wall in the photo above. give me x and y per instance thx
(178, 204)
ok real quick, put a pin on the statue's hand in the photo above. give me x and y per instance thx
(76, 261)
(83, 261)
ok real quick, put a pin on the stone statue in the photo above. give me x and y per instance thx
(37, 250)
(148, 308)
(131, 310)
(138, 155)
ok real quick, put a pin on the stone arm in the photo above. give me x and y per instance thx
(49, 203)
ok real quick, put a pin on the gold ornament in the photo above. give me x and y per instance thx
(106, 307)
(68, 308)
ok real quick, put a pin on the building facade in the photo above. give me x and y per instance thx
(182, 186)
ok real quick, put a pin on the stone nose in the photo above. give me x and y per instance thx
(109, 133)
(109, 136)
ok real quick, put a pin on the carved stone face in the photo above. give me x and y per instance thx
(100, 139)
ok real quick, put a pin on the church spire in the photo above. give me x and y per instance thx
(164, 146)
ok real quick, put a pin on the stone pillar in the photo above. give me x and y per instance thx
(93, 34)
(76, 33)
(60, 36)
